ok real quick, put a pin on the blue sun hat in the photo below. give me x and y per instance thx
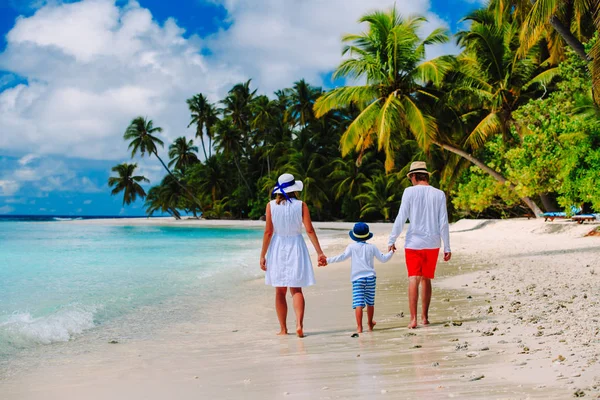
(360, 233)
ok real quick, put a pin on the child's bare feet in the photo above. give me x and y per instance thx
(372, 325)
(299, 332)
(413, 324)
(282, 332)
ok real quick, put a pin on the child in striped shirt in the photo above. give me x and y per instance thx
(363, 272)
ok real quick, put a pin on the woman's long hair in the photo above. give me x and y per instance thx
(279, 198)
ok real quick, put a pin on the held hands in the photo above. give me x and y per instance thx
(447, 256)
(392, 248)
(322, 260)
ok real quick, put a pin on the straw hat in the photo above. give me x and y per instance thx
(360, 232)
(418, 167)
(286, 183)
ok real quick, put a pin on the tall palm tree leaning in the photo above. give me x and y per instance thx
(140, 134)
(127, 183)
(390, 55)
(401, 86)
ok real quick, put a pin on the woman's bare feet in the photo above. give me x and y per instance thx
(359, 329)
(372, 325)
(282, 332)
(425, 321)
(299, 332)
(413, 324)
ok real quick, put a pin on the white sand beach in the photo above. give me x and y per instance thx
(515, 315)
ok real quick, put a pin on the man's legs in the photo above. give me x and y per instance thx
(281, 307)
(425, 300)
(430, 257)
(413, 298)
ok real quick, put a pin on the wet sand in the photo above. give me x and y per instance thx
(505, 325)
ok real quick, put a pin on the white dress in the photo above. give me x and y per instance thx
(288, 261)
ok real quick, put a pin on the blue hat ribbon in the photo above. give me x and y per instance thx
(282, 186)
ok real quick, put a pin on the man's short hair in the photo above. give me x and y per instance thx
(421, 176)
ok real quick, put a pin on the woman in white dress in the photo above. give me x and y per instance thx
(284, 254)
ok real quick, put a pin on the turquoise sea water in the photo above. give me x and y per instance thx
(60, 281)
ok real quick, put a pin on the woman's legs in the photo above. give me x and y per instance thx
(281, 307)
(298, 299)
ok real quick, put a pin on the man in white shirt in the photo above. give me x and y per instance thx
(425, 207)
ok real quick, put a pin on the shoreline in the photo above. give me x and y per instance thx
(505, 345)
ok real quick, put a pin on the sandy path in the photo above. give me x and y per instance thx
(235, 354)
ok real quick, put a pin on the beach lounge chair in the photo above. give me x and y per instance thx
(581, 218)
(552, 215)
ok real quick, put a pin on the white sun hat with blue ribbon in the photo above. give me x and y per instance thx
(286, 183)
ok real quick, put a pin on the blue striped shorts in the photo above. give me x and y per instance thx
(363, 292)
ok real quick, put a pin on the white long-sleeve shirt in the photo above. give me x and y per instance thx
(425, 207)
(362, 254)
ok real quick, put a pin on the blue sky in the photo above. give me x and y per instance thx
(74, 73)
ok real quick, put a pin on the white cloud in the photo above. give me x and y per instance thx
(28, 158)
(9, 187)
(91, 66)
(44, 175)
(278, 42)
(21, 200)
(6, 209)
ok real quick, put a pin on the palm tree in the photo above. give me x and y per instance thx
(490, 83)
(229, 141)
(561, 15)
(204, 116)
(493, 77)
(165, 198)
(182, 154)
(380, 197)
(302, 97)
(141, 134)
(211, 177)
(391, 57)
(350, 178)
(127, 183)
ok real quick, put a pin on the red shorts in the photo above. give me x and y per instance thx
(421, 262)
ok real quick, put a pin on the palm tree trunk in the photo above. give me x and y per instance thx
(181, 185)
(567, 36)
(203, 148)
(494, 174)
(209, 146)
(237, 164)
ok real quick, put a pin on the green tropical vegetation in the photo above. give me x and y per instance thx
(510, 126)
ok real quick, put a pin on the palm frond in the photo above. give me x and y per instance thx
(487, 127)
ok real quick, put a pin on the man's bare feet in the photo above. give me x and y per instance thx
(372, 325)
(413, 324)
(299, 332)
(282, 332)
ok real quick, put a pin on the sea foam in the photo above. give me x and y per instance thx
(21, 329)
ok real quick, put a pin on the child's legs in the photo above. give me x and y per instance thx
(358, 313)
(281, 307)
(358, 300)
(370, 299)
(299, 304)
